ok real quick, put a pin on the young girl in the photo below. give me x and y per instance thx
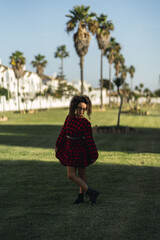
(75, 147)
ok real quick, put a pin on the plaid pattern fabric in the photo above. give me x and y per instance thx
(79, 152)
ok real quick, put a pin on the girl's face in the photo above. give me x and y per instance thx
(82, 107)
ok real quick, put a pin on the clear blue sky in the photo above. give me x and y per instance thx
(38, 26)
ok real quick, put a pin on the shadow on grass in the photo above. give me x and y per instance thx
(146, 140)
(42, 136)
(36, 202)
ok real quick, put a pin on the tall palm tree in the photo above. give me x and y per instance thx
(81, 17)
(118, 62)
(118, 82)
(131, 71)
(17, 60)
(141, 85)
(124, 71)
(111, 52)
(39, 63)
(102, 35)
(61, 53)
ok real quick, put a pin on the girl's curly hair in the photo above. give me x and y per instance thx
(74, 104)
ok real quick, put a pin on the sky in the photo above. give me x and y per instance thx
(39, 27)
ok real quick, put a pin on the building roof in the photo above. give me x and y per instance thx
(44, 77)
(5, 67)
(48, 78)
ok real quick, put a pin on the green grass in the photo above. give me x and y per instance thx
(36, 196)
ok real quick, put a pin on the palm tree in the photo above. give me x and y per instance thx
(17, 60)
(39, 63)
(111, 52)
(124, 71)
(102, 35)
(118, 82)
(80, 16)
(61, 53)
(118, 62)
(141, 85)
(131, 71)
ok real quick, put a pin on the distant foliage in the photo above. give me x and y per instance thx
(106, 84)
(157, 93)
(5, 92)
(65, 90)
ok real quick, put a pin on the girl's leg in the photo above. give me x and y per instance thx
(93, 194)
(82, 175)
(71, 173)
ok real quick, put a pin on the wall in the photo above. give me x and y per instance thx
(50, 102)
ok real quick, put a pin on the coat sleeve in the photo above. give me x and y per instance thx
(62, 135)
(92, 149)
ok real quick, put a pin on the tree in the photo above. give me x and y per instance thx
(102, 35)
(118, 62)
(39, 63)
(61, 53)
(5, 92)
(111, 52)
(66, 90)
(106, 84)
(124, 71)
(157, 92)
(141, 85)
(80, 16)
(118, 82)
(131, 71)
(137, 89)
(148, 94)
(17, 60)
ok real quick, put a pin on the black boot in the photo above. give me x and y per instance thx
(93, 195)
(80, 199)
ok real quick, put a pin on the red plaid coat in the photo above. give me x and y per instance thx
(76, 152)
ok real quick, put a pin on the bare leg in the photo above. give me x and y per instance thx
(71, 173)
(82, 175)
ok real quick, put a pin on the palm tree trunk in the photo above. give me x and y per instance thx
(18, 94)
(62, 76)
(120, 107)
(40, 92)
(109, 84)
(101, 69)
(131, 83)
(124, 91)
(81, 68)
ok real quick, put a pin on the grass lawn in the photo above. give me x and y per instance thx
(36, 197)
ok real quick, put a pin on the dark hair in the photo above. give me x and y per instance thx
(74, 104)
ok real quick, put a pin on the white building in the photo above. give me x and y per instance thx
(29, 84)
(7, 80)
(48, 81)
